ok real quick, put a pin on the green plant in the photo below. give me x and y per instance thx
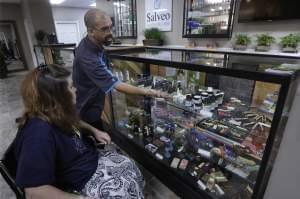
(153, 33)
(242, 39)
(264, 40)
(40, 36)
(290, 41)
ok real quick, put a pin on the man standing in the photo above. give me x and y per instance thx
(91, 76)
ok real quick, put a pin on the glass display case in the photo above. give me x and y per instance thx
(208, 18)
(215, 133)
(125, 20)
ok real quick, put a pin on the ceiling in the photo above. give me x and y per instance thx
(66, 3)
(76, 3)
(10, 1)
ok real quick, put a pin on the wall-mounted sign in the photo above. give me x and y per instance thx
(159, 14)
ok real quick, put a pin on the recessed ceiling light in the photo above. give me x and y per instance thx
(56, 2)
(93, 4)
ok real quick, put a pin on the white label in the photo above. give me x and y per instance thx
(158, 14)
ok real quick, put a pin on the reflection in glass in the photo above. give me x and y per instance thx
(125, 25)
(208, 17)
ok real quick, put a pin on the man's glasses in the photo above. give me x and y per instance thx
(104, 29)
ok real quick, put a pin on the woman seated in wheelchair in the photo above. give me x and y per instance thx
(53, 154)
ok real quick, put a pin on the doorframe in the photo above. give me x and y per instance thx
(19, 43)
(70, 22)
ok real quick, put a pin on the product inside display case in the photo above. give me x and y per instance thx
(211, 129)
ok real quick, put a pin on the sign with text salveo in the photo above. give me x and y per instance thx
(158, 14)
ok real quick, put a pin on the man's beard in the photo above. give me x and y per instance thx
(108, 40)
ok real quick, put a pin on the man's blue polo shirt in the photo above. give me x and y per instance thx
(92, 79)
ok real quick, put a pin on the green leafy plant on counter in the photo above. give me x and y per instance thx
(264, 40)
(153, 37)
(40, 36)
(241, 41)
(153, 33)
(290, 41)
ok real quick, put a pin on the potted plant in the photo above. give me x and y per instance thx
(264, 42)
(40, 36)
(290, 42)
(153, 37)
(241, 41)
(3, 66)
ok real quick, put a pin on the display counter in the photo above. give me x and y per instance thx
(218, 132)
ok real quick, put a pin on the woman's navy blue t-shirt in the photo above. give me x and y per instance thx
(47, 156)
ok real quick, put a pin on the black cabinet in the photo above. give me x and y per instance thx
(214, 135)
(208, 18)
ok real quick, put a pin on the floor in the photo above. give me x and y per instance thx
(11, 108)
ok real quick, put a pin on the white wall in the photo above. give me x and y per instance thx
(106, 6)
(41, 15)
(285, 177)
(276, 28)
(71, 14)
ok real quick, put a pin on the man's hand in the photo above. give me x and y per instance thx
(101, 136)
(155, 93)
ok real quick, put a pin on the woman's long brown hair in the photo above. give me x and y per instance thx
(46, 96)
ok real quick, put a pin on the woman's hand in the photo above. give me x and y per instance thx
(101, 136)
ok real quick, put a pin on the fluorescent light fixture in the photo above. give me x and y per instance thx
(212, 10)
(93, 4)
(56, 2)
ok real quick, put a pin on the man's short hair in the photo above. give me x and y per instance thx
(90, 17)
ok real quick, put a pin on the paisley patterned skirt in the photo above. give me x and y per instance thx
(116, 177)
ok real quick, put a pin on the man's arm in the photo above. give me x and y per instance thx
(133, 90)
(49, 192)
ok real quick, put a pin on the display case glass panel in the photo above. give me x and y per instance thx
(208, 18)
(214, 127)
(125, 20)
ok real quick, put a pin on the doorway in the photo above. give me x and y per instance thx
(67, 31)
(11, 47)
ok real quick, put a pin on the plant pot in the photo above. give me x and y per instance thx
(152, 42)
(289, 50)
(240, 47)
(262, 48)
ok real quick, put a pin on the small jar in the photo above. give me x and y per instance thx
(204, 95)
(188, 100)
(197, 99)
(220, 97)
(197, 107)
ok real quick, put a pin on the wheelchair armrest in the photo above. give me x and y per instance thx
(11, 181)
